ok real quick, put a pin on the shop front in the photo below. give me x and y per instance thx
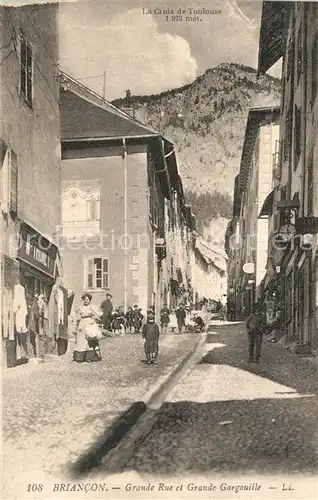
(34, 322)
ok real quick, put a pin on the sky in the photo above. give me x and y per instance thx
(141, 49)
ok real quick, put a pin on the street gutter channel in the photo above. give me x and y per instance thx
(117, 457)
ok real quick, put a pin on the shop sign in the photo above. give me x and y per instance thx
(36, 250)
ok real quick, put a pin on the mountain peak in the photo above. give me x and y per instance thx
(206, 121)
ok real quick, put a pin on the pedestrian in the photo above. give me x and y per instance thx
(255, 325)
(88, 332)
(137, 318)
(150, 334)
(181, 316)
(173, 320)
(164, 318)
(199, 323)
(118, 321)
(107, 309)
(129, 319)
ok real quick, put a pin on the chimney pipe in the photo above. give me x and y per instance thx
(128, 95)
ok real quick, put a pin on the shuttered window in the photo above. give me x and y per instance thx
(97, 273)
(314, 72)
(26, 70)
(310, 172)
(8, 179)
(13, 204)
(297, 136)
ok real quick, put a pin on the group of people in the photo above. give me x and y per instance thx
(91, 322)
(116, 321)
(181, 320)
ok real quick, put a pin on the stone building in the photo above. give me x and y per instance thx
(122, 203)
(247, 234)
(30, 167)
(289, 30)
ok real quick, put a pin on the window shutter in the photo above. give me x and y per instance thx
(90, 271)
(4, 176)
(13, 203)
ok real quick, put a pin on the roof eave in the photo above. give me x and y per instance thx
(272, 34)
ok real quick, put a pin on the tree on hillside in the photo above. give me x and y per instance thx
(208, 206)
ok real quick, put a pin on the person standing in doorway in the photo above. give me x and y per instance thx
(107, 309)
(181, 316)
(255, 325)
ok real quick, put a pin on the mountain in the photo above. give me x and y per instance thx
(206, 121)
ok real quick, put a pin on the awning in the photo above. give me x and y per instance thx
(275, 16)
(267, 207)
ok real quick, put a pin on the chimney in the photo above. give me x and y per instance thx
(128, 109)
(128, 95)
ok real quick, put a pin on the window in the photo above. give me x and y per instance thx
(290, 60)
(288, 133)
(26, 70)
(97, 273)
(13, 205)
(297, 135)
(310, 190)
(8, 179)
(314, 72)
(299, 54)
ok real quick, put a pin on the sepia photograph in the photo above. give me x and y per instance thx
(159, 249)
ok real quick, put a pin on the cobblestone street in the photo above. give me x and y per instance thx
(226, 416)
(53, 412)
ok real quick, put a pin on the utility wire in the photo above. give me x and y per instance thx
(87, 77)
(7, 56)
(41, 38)
(33, 60)
(7, 45)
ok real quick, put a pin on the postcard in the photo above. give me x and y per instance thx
(159, 258)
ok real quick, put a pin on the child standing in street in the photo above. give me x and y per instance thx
(255, 325)
(150, 334)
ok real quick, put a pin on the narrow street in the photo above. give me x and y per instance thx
(223, 419)
(54, 412)
(229, 417)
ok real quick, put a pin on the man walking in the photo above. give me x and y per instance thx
(255, 325)
(107, 308)
(181, 316)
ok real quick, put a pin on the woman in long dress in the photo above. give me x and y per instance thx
(87, 332)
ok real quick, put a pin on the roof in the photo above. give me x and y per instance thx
(86, 115)
(267, 207)
(255, 118)
(274, 21)
(212, 254)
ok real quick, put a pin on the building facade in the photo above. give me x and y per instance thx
(209, 273)
(247, 234)
(30, 170)
(293, 207)
(121, 204)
